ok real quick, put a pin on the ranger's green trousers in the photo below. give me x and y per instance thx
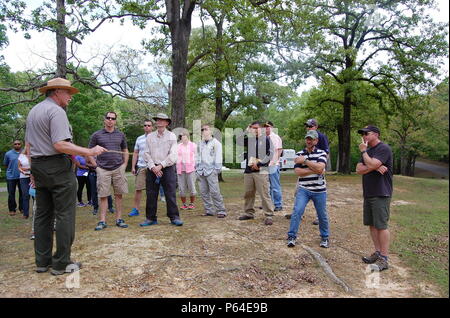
(56, 187)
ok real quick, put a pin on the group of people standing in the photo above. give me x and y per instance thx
(160, 162)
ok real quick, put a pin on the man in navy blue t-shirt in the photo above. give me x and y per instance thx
(375, 167)
(13, 176)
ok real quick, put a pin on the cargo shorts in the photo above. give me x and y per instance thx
(376, 212)
(106, 178)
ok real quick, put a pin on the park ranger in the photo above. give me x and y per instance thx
(49, 137)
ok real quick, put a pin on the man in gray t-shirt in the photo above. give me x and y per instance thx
(48, 135)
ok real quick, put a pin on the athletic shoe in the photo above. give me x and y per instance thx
(315, 222)
(72, 267)
(191, 206)
(184, 207)
(42, 269)
(112, 210)
(121, 223)
(134, 212)
(81, 205)
(148, 223)
(325, 243)
(100, 226)
(163, 199)
(291, 241)
(372, 258)
(177, 222)
(380, 265)
(245, 217)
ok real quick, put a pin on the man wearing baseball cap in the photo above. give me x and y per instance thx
(310, 167)
(49, 136)
(375, 167)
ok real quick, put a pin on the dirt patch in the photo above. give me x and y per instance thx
(211, 257)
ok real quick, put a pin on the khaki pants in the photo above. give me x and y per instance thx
(257, 182)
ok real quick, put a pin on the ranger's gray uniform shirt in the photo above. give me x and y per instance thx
(47, 124)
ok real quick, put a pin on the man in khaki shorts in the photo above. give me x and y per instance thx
(139, 166)
(110, 168)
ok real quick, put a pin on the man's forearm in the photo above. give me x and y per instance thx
(71, 149)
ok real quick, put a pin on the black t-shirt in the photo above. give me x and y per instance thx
(374, 183)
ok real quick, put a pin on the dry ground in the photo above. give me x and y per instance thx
(211, 257)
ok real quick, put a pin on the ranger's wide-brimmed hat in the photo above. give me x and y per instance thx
(59, 83)
(162, 116)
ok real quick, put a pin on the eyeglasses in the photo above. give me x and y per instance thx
(147, 125)
(17, 144)
(203, 129)
(366, 133)
(110, 118)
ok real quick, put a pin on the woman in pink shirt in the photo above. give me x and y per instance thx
(187, 151)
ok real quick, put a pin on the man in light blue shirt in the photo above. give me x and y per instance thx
(13, 177)
(208, 166)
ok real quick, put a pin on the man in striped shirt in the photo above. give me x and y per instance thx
(310, 167)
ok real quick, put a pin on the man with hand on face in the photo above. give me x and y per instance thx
(376, 168)
(49, 136)
(310, 167)
(161, 156)
(110, 168)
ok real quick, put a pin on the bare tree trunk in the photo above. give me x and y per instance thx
(344, 136)
(179, 20)
(61, 49)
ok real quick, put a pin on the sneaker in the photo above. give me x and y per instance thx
(177, 222)
(90, 203)
(278, 209)
(42, 269)
(245, 217)
(191, 206)
(221, 215)
(100, 226)
(32, 237)
(372, 258)
(163, 199)
(325, 243)
(291, 241)
(288, 216)
(121, 223)
(148, 223)
(72, 267)
(268, 221)
(94, 212)
(184, 207)
(380, 264)
(315, 222)
(134, 212)
(112, 210)
(81, 205)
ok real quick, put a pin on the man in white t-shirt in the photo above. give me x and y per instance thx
(274, 168)
(139, 166)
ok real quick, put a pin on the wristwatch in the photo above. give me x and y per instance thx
(362, 152)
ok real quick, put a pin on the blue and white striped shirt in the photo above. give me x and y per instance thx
(312, 182)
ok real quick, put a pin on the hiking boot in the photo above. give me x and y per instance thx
(100, 226)
(268, 221)
(177, 222)
(315, 222)
(372, 258)
(245, 217)
(325, 243)
(134, 212)
(148, 223)
(72, 267)
(380, 264)
(121, 223)
(291, 241)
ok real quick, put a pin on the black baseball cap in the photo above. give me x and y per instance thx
(368, 128)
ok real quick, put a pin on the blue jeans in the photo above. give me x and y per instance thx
(302, 198)
(25, 188)
(12, 184)
(275, 186)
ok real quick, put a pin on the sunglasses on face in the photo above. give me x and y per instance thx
(17, 144)
(366, 133)
(110, 118)
(147, 125)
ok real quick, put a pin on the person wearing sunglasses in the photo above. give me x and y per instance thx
(139, 166)
(376, 168)
(110, 168)
(13, 177)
